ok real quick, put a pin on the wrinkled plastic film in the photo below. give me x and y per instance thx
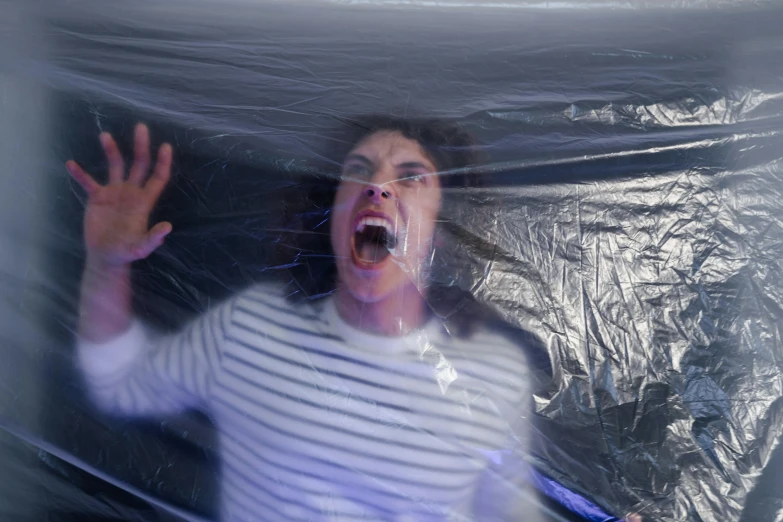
(628, 233)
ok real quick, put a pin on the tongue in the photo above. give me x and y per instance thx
(372, 252)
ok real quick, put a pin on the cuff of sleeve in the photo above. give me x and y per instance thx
(113, 358)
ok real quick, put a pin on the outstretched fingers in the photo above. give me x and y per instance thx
(141, 155)
(113, 155)
(160, 177)
(82, 178)
(152, 240)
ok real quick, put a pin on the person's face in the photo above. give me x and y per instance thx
(384, 216)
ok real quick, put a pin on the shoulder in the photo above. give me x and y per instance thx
(493, 357)
(473, 332)
(491, 345)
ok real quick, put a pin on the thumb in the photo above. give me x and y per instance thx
(153, 239)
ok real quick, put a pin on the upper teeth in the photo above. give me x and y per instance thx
(374, 222)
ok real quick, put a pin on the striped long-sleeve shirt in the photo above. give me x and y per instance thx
(321, 421)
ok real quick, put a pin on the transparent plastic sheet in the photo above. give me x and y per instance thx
(628, 234)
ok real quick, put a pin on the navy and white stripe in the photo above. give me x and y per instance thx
(320, 421)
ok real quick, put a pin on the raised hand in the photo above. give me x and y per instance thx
(116, 221)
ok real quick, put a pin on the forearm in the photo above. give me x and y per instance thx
(131, 369)
(105, 307)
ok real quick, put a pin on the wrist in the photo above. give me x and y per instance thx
(103, 267)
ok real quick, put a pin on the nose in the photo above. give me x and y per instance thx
(377, 193)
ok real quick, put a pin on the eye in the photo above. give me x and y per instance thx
(414, 178)
(357, 170)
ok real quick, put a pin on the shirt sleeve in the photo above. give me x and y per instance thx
(507, 492)
(142, 373)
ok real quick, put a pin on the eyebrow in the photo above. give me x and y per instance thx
(413, 165)
(357, 157)
(407, 165)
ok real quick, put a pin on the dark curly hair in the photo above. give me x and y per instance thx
(307, 254)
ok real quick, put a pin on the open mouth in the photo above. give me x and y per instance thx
(374, 240)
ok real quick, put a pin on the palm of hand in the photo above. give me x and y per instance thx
(116, 222)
